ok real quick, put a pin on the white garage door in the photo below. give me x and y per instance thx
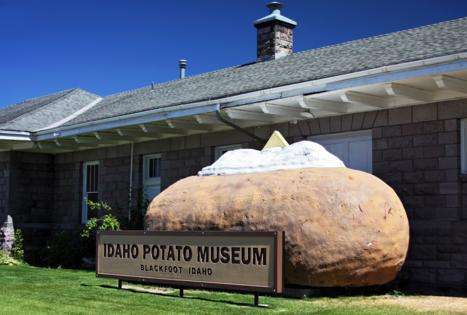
(354, 148)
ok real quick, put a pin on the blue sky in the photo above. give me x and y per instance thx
(107, 46)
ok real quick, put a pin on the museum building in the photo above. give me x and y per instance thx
(393, 105)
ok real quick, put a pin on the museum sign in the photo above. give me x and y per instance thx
(243, 261)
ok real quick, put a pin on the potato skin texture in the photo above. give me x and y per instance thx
(343, 227)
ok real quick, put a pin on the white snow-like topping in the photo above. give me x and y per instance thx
(304, 154)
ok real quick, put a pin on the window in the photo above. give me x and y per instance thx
(464, 146)
(355, 149)
(154, 167)
(219, 151)
(90, 187)
(151, 176)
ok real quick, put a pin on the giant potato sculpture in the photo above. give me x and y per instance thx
(343, 227)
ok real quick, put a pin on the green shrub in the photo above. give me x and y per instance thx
(64, 249)
(138, 211)
(17, 249)
(397, 293)
(68, 248)
(106, 222)
(6, 259)
(98, 208)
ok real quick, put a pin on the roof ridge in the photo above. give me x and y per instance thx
(73, 115)
(66, 93)
(373, 37)
(38, 97)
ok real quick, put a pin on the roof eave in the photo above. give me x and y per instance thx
(15, 135)
(425, 67)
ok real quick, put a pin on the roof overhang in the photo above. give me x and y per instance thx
(412, 83)
(17, 140)
(15, 135)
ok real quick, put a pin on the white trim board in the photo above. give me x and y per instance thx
(463, 145)
(84, 206)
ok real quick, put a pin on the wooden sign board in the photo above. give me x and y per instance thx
(241, 261)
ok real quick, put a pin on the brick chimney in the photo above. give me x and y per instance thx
(274, 34)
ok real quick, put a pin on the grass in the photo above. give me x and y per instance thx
(31, 290)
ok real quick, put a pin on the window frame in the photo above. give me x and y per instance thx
(151, 181)
(146, 159)
(463, 146)
(84, 205)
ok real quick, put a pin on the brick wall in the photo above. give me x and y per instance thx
(26, 197)
(4, 183)
(6, 236)
(31, 196)
(416, 151)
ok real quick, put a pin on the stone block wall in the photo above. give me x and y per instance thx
(67, 198)
(183, 163)
(4, 181)
(417, 152)
(6, 222)
(113, 183)
(274, 41)
(31, 187)
(26, 197)
(31, 196)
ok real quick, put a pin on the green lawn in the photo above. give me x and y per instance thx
(30, 290)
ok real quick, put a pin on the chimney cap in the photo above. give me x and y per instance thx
(274, 5)
(275, 16)
(182, 63)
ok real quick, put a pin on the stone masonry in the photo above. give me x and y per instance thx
(274, 41)
(26, 190)
(6, 224)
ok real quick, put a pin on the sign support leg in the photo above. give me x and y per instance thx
(120, 284)
(256, 299)
(181, 292)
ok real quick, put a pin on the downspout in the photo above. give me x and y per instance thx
(130, 191)
(221, 116)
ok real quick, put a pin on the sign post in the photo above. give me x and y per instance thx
(233, 261)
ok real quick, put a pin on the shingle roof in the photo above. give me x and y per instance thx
(430, 41)
(38, 113)
(414, 44)
(14, 111)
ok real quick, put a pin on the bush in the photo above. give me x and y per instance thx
(138, 211)
(6, 259)
(17, 249)
(68, 248)
(106, 222)
(65, 250)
